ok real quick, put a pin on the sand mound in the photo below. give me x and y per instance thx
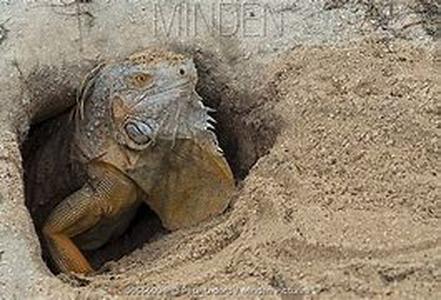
(336, 149)
(345, 197)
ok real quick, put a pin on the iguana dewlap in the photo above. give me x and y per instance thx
(142, 134)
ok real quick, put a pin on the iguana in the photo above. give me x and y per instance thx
(141, 133)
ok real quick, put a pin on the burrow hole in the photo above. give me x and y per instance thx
(246, 130)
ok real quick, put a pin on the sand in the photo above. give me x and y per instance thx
(346, 202)
(333, 132)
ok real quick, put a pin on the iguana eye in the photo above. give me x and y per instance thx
(142, 79)
(138, 132)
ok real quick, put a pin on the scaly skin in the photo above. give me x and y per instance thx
(142, 133)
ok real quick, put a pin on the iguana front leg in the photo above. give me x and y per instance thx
(104, 196)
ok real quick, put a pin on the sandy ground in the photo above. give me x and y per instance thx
(336, 148)
(347, 202)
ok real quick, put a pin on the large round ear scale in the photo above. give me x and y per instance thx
(139, 132)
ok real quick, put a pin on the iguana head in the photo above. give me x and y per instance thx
(147, 97)
(155, 99)
(147, 105)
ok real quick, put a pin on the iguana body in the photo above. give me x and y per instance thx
(140, 132)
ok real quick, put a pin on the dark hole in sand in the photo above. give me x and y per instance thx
(246, 131)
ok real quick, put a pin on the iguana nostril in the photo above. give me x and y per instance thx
(182, 71)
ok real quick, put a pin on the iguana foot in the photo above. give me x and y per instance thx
(103, 197)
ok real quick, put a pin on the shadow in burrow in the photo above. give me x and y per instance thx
(246, 128)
